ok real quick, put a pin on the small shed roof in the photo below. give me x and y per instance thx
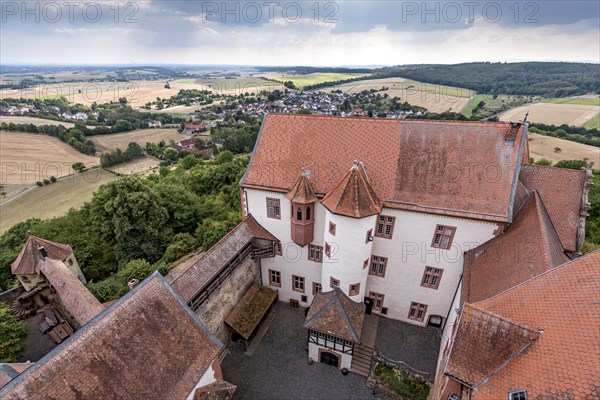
(249, 311)
(336, 314)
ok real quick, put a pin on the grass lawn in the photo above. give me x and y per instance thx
(318, 77)
(584, 101)
(593, 123)
(53, 200)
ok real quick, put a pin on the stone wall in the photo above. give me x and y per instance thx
(221, 302)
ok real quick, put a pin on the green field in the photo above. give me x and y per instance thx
(318, 77)
(53, 200)
(593, 123)
(583, 101)
(492, 106)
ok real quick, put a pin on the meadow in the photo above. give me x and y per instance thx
(16, 119)
(28, 158)
(53, 200)
(311, 79)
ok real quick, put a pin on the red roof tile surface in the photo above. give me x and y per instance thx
(28, 260)
(353, 196)
(148, 345)
(219, 390)
(564, 363)
(455, 168)
(197, 276)
(528, 247)
(336, 314)
(561, 190)
(302, 192)
(249, 311)
(80, 302)
(483, 343)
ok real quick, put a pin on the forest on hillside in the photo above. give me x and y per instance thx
(549, 79)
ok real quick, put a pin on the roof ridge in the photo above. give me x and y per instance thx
(538, 276)
(500, 317)
(540, 226)
(355, 334)
(329, 301)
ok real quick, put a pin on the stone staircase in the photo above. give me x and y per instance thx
(361, 360)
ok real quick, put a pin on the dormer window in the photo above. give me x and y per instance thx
(517, 395)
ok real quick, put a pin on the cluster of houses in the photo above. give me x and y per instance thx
(19, 110)
(439, 224)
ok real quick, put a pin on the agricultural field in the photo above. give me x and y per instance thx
(237, 86)
(28, 158)
(544, 147)
(139, 166)
(114, 141)
(435, 98)
(33, 120)
(53, 200)
(492, 106)
(553, 113)
(590, 100)
(311, 79)
(593, 123)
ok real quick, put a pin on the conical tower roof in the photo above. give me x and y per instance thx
(353, 196)
(303, 191)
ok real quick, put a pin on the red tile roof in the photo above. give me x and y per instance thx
(197, 276)
(80, 302)
(561, 189)
(27, 262)
(353, 196)
(336, 314)
(483, 343)
(464, 169)
(302, 192)
(528, 247)
(249, 311)
(148, 345)
(565, 361)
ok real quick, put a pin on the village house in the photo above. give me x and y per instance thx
(154, 124)
(192, 128)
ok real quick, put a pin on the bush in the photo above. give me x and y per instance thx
(572, 164)
(182, 244)
(544, 162)
(12, 336)
(39, 183)
(53, 179)
(402, 383)
(46, 181)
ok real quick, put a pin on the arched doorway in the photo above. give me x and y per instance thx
(330, 359)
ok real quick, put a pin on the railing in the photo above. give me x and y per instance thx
(262, 252)
(402, 365)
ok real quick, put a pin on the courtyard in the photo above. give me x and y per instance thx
(278, 368)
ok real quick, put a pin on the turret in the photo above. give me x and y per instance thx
(302, 196)
(352, 208)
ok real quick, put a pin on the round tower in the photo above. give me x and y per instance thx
(351, 212)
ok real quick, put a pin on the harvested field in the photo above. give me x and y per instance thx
(33, 120)
(140, 166)
(53, 200)
(28, 158)
(435, 98)
(140, 136)
(12, 191)
(238, 86)
(555, 114)
(543, 147)
(318, 77)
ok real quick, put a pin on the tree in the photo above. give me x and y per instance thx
(544, 162)
(557, 149)
(78, 166)
(224, 157)
(53, 179)
(572, 164)
(130, 213)
(167, 85)
(182, 244)
(12, 336)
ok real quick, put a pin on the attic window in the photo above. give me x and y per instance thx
(517, 395)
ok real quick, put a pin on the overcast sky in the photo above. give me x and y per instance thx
(297, 32)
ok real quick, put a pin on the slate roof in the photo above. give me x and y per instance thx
(528, 247)
(464, 169)
(353, 196)
(80, 302)
(27, 262)
(561, 190)
(147, 345)
(564, 362)
(336, 314)
(302, 192)
(198, 275)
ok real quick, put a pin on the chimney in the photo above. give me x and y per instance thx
(511, 134)
(132, 283)
(43, 251)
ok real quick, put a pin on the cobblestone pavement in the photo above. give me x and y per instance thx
(37, 344)
(414, 345)
(278, 369)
